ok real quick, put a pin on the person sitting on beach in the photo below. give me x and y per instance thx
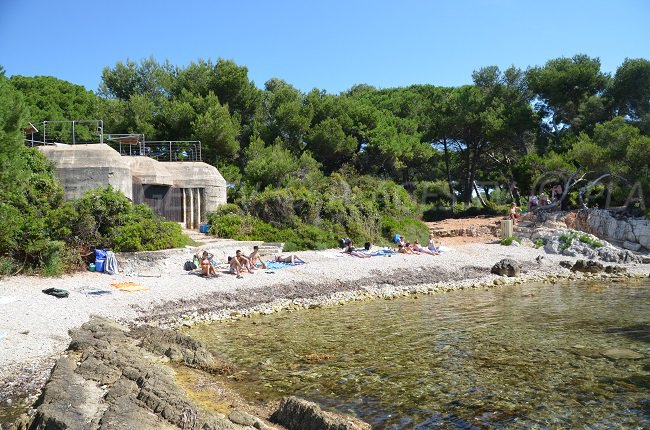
(255, 257)
(533, 201)
(245, 263)
(290, 259)
(350, 249)
(235, 266)
(206, 265)
(543, 199)
(513, 213)
(431, 246)
(419, 248)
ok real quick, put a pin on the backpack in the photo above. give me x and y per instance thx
(397, 238)
(189, 265)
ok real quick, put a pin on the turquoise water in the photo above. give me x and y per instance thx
(529, 356)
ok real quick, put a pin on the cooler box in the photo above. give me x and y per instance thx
(203, 228)
(100, 258)
(99, 265)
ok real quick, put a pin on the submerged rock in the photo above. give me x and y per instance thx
(297, 414)
(506, 267)
(622, 354)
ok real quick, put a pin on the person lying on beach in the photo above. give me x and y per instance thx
(419, 248)
(289, 259)
(413, 249)
(245, 262)
(235, 266)
(350, 249)
(255, 257)
(404, 249)
(206, 266)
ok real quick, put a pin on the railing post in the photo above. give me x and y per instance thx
(73, 139)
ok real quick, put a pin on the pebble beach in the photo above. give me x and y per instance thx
(34, 326)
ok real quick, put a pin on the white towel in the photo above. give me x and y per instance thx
(110, 266)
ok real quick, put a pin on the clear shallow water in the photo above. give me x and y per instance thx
(513, 357)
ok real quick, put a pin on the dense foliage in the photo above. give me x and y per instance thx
(38, 230)
(286, 153)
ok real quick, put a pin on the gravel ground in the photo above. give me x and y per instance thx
(34, 326)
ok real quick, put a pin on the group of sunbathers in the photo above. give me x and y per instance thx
(241, 263)
(404, 247)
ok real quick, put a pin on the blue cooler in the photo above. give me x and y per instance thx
(203, 228)
(99, 265)
(100, 259)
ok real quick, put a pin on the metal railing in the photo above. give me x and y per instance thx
(79, 132)
(76, 132)
(168, 150)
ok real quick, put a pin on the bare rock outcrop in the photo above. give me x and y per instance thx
(112, 378)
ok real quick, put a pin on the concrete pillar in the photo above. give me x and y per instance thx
(191, 193)
(506, 228)
(184, 208)
(198, 206)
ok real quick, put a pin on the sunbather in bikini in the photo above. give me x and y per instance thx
(206, 266)
(289, 259)
(431, 246)
(422, 249)
(404, 249)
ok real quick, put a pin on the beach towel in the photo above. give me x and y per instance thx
(5, 300)
(110, 266)
(95, 291)
(129, 287)
(381, 253)
(271, 264)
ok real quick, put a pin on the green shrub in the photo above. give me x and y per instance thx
(585, 238)
(228, 208)
(508, 240)
(409, 228)
(566, 239)
(539, 242)
(7, 266)
(53, 264)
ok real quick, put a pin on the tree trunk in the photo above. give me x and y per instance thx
(478, 194)
(452, 196)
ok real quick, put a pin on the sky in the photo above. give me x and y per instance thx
(330, 45)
